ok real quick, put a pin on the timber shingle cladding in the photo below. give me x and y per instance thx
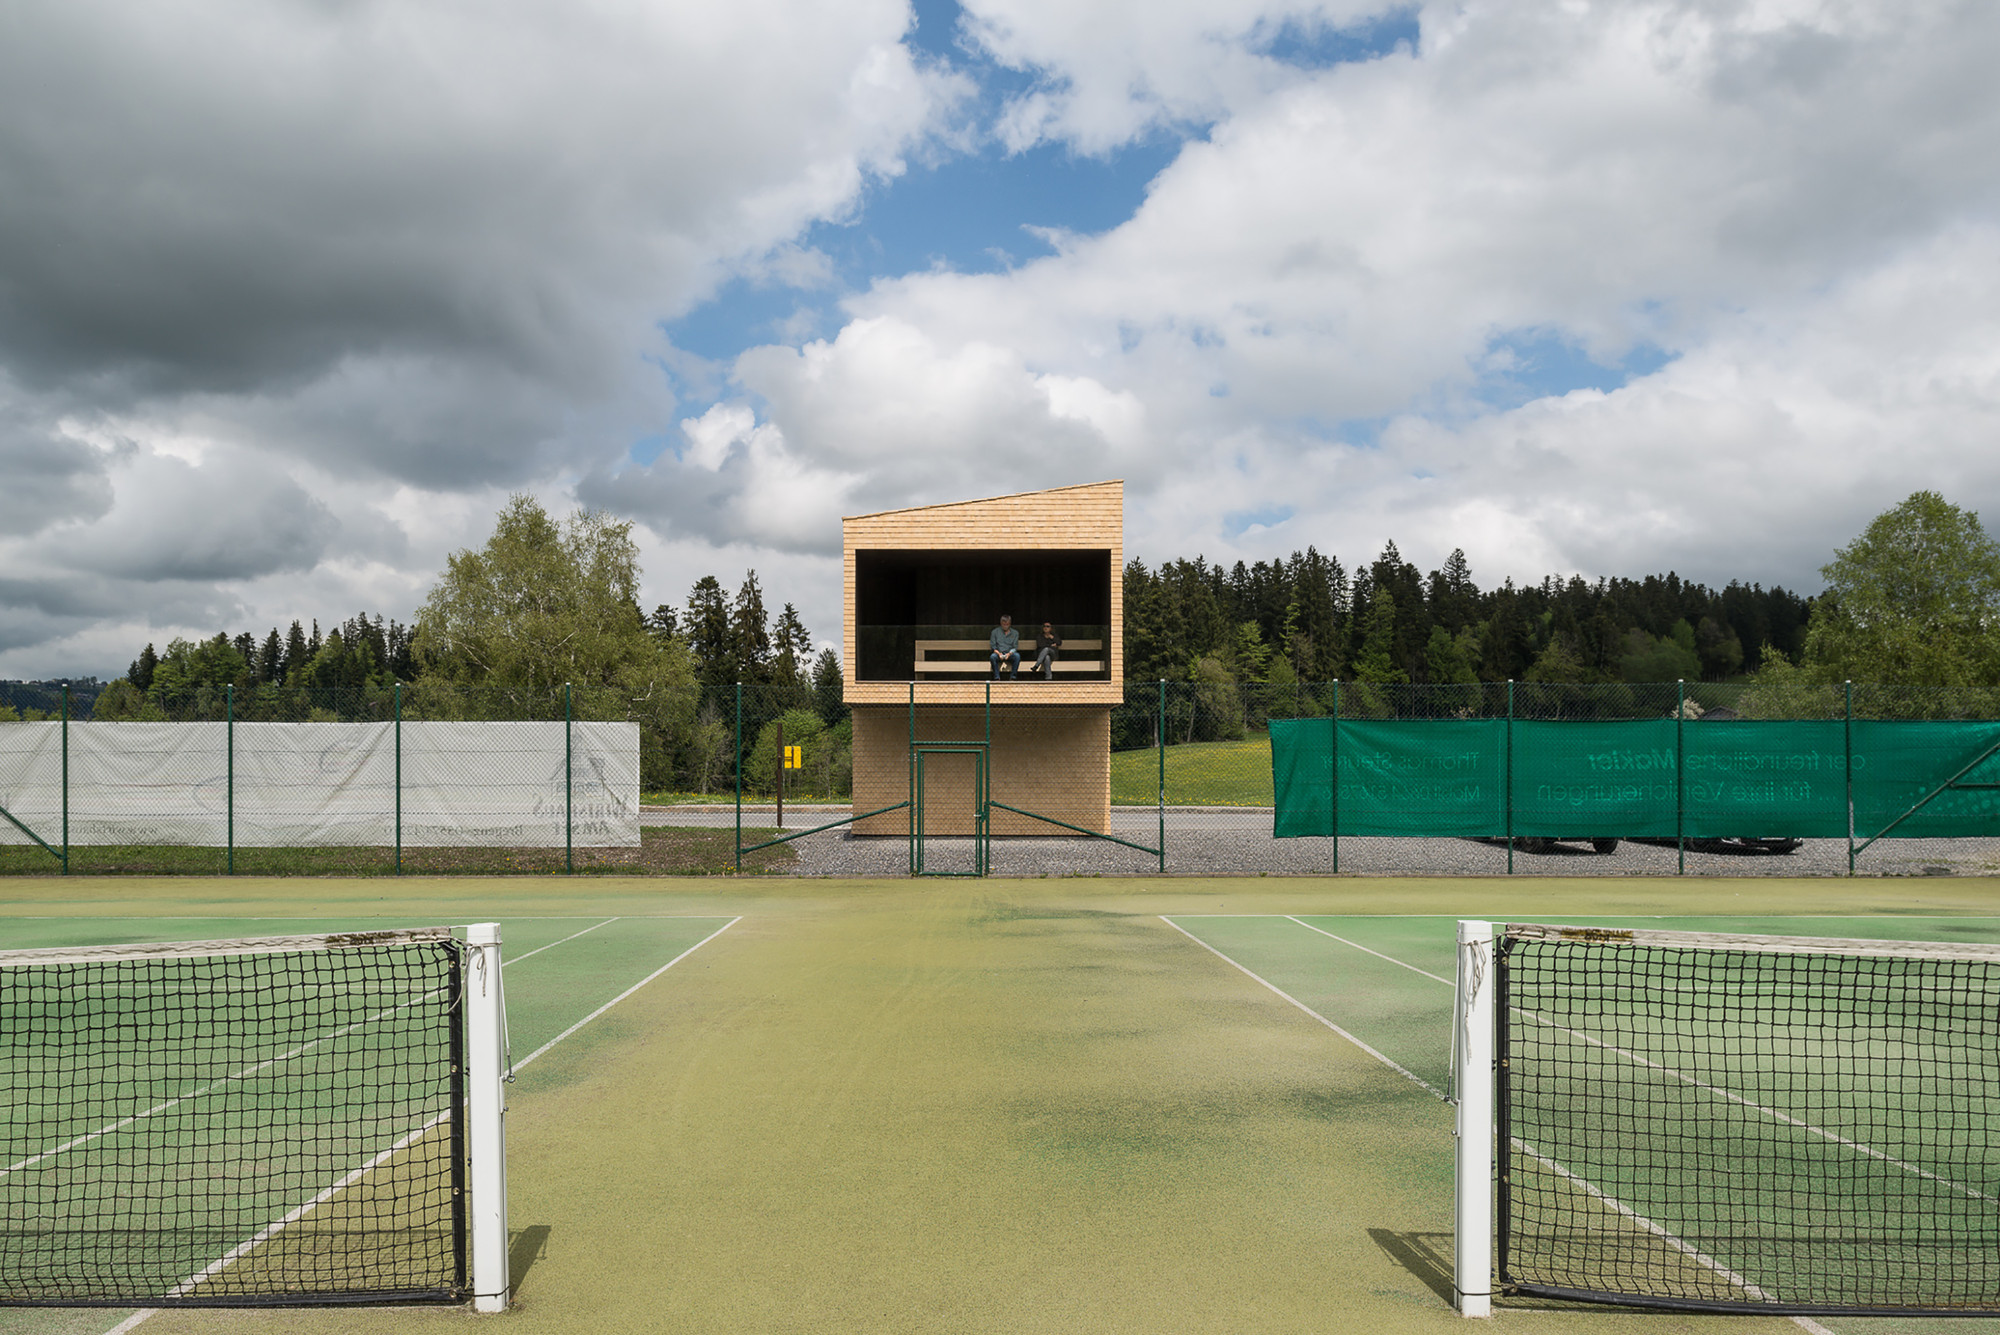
(1051, 740)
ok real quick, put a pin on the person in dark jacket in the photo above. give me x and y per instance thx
(1047, 648)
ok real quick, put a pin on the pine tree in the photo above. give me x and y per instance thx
(828, 695)
(791, 671)
(402, 658)
(141, 674)
(1376, 662)
(708, 633)
(1151, 643)
(1507, 646)
(296, 653)
(271, 659)
(750, 632)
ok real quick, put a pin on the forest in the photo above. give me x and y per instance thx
(1308, 618)
(545, 622)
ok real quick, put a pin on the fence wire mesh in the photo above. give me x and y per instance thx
(1189, 784)
(1022, 778)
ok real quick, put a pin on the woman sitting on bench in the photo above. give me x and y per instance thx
(1045, 657)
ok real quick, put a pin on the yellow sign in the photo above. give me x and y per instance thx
(795, 757)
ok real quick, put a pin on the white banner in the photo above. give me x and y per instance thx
(498, 785)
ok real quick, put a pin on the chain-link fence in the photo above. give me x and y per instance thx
(1032, 777)
(1563, 779)
(355, 785)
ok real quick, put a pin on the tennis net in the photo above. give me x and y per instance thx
(1741, 1123)
(263, 1121)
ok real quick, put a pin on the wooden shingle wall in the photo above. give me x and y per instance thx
(1051, 741)
(1050, 759)
(1090, 517)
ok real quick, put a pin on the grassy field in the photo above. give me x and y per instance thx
(1011, 1106)
(662, 851)
(1199, 774)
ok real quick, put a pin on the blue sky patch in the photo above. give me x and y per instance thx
(1239, 522)
(1530, 364)
(1320, 45)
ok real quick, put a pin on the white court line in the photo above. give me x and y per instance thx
(1678, 1244)
(1803, 1322)
(158, 1108)
(1717, 1090)
(1366, 951)
(1400, 1069)
(210, 1087)
(137, 1318)
(628, 992)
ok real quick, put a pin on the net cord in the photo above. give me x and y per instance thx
(248, 945)
(1773, 945)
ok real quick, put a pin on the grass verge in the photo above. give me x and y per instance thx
(662, 851)
(1199, 774)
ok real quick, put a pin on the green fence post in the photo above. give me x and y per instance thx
(739, 777)
(65, 777)
(569, 788)
(1849, 731)
(982, 826)
(1509, 786)
(911, 786)
(1160, 746)
(1680, 772)
(229, 745)
(1336, 776)
(399, 778)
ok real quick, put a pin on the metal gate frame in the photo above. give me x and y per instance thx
(981, 816)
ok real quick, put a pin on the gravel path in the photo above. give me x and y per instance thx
(1235, 852)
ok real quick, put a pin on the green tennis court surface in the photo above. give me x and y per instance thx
(1007, 1106)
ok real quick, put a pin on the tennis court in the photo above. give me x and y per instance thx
(1014, 1106)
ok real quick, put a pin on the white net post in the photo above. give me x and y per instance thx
(486, 1115)
(1472, 1040)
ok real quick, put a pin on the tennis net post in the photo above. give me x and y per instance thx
(486, 1115)
(1472, 1059)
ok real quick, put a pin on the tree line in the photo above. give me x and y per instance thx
(541, 622)
(1308, 618)
(545, 618)
(1914, 600)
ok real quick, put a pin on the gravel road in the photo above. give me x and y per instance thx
(1236, 841)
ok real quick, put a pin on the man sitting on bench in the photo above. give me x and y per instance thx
(1045, 657)
(1006, 645)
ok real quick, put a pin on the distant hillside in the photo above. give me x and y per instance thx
(47, 695)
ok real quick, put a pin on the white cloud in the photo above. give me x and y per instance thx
(1351, 250)
(1113, 71)
(395, 263)
(368, 249)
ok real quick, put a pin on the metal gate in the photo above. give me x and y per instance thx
(957, 849)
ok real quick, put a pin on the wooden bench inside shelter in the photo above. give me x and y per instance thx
(984, 662)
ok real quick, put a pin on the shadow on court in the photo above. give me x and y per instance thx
(529, 1246)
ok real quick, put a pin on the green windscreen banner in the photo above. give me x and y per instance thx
(1765, 780)
(1594, 780)
(1636, 778)
(1446, 775)
(1302, 777)
(1898, 764)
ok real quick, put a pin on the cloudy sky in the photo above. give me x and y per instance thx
(294, 293)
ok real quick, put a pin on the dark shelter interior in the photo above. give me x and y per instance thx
(901, 597)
